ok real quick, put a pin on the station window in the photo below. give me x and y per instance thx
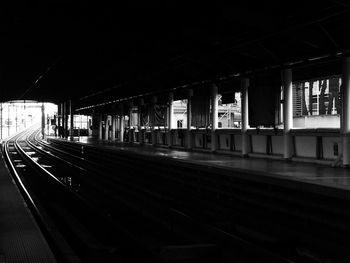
(82, 122)
(179, 114)
(134, 120)
(229, 110)
(317, 103)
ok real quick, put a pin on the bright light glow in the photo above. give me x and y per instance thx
(15, 116)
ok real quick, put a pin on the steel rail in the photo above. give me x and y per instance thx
(30, 162)
(222, 233)
(39, 218)
(331, 226)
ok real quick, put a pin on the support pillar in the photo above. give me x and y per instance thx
(130, 124)
(121, 128)
(43, 120)
(8, 117)
(106, 131)
(89, 125)
(189, 119)
(24, 109)
(245, 116)
(113, 127)
(65, 120)
(287, 113)
(170, 118)
(214, 112)
(58, 123)
(55, 118)
(141, 136)
(118, 127)
(17, 119)
(153, 134)
(100, 127)
(48, 124)
(71, 119)
(61, 129)
(345, 120)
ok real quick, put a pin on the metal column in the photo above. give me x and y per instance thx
(106, 135)
(245, 116)
(170, 118)
(153, 134)
(58, 124)
(130, 123)
(345, 123)
(141, 138)
(117, 127)
(65, 120)
(61, 130)
(113, 127)
(100, 126)
(189, 119)
(214, 111)
(43, 120)
(121, 128)
(71, 119)
(287, 113)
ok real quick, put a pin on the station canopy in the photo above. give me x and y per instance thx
(91, 53)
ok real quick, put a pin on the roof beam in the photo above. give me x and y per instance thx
(328, 35)
(269, 52)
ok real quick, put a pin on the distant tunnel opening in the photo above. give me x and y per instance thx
(16, 116)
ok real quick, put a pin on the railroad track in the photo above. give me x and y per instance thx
(53, 195)
(299, 225)
(163, 197)
(102, 221)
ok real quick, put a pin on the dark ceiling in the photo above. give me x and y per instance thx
(57, 50)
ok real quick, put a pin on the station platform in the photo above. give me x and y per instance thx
(20, 237)
(316, 178)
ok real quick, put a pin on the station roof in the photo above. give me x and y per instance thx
(59, 50)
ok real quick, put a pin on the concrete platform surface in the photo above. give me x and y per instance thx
(329, 178)
(20, 237)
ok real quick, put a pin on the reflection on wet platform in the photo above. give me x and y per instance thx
(295, 171)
